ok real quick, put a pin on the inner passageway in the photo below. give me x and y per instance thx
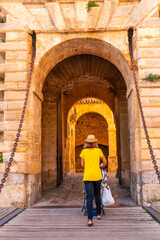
(70, 193)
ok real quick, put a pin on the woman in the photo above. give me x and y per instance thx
(90, 160)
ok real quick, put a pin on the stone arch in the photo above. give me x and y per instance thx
(81, 110)
(93, 47)
(78, 46)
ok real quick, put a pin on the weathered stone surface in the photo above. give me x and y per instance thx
(56, 16)
(13, 195)
(16, 77)
(40, 14)
(151, 193)
(14, 95)
(17, 36)
(65, 31)
(20, 56)
(149, 177)
(22, 14)
(13, 67)
(139, 12)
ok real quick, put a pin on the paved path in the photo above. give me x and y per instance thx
(127, 223)
(70, 193)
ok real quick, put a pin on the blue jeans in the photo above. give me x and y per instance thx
(93, 188)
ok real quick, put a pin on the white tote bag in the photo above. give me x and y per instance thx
(107, 198)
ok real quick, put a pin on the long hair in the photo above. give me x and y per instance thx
(90, 145)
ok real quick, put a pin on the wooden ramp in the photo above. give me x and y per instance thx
(125, 223)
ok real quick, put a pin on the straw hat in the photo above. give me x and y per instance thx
(91, 139)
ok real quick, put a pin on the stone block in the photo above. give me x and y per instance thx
(20, 56)
(150, 194)
(16, 77)
(146, 154)
(106, 14)
(68, 12)
(148, 43)
(13, 125)
(19, 167)
(2, 168)
(149, 177)
(19, 157)
(149, 92)
(81, 15)
(13, 67)
(14, 95)
(56, 16)
(153, 133)
(148, 52)
(147, 165)
(13, 46)
(142, 73)
(139, 12)
(12, 27)
(147, 33)
(22, 15)
(151, 111)
(149, 63)
(15, 105)
(154, 142)
(150, 23)
(17, 37)
(13, 196)
(12, 115)
(93, 17)
(40, 14)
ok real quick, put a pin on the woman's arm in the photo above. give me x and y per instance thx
(102, 165)
(82, 162)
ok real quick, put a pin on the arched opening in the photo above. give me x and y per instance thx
(82, 73)
(90, 123)
(90, 116)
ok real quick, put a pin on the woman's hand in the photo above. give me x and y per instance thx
(102, 165)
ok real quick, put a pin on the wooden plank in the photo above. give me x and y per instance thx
(69, 223)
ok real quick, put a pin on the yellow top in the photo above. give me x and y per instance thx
(91, 157)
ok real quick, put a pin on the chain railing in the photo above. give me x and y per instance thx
(33, 53)
(130, 39)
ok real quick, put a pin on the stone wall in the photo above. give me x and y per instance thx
(91, 123)
(70, 30)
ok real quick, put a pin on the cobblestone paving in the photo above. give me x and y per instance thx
(70, 193)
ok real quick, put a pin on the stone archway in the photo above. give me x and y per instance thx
(119, 85)
(90, 106)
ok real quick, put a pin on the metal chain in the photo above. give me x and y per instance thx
(33, 35)
(130, 37)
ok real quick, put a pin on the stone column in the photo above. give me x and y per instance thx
(112, 158)
(72, 152)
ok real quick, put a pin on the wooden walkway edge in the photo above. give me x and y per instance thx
(127, 223)
(6, 214)
(155, 214)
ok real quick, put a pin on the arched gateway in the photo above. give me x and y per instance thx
(70, 71)
(73, 63)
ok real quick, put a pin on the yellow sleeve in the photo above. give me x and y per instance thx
(82, 154)
(100, 153)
